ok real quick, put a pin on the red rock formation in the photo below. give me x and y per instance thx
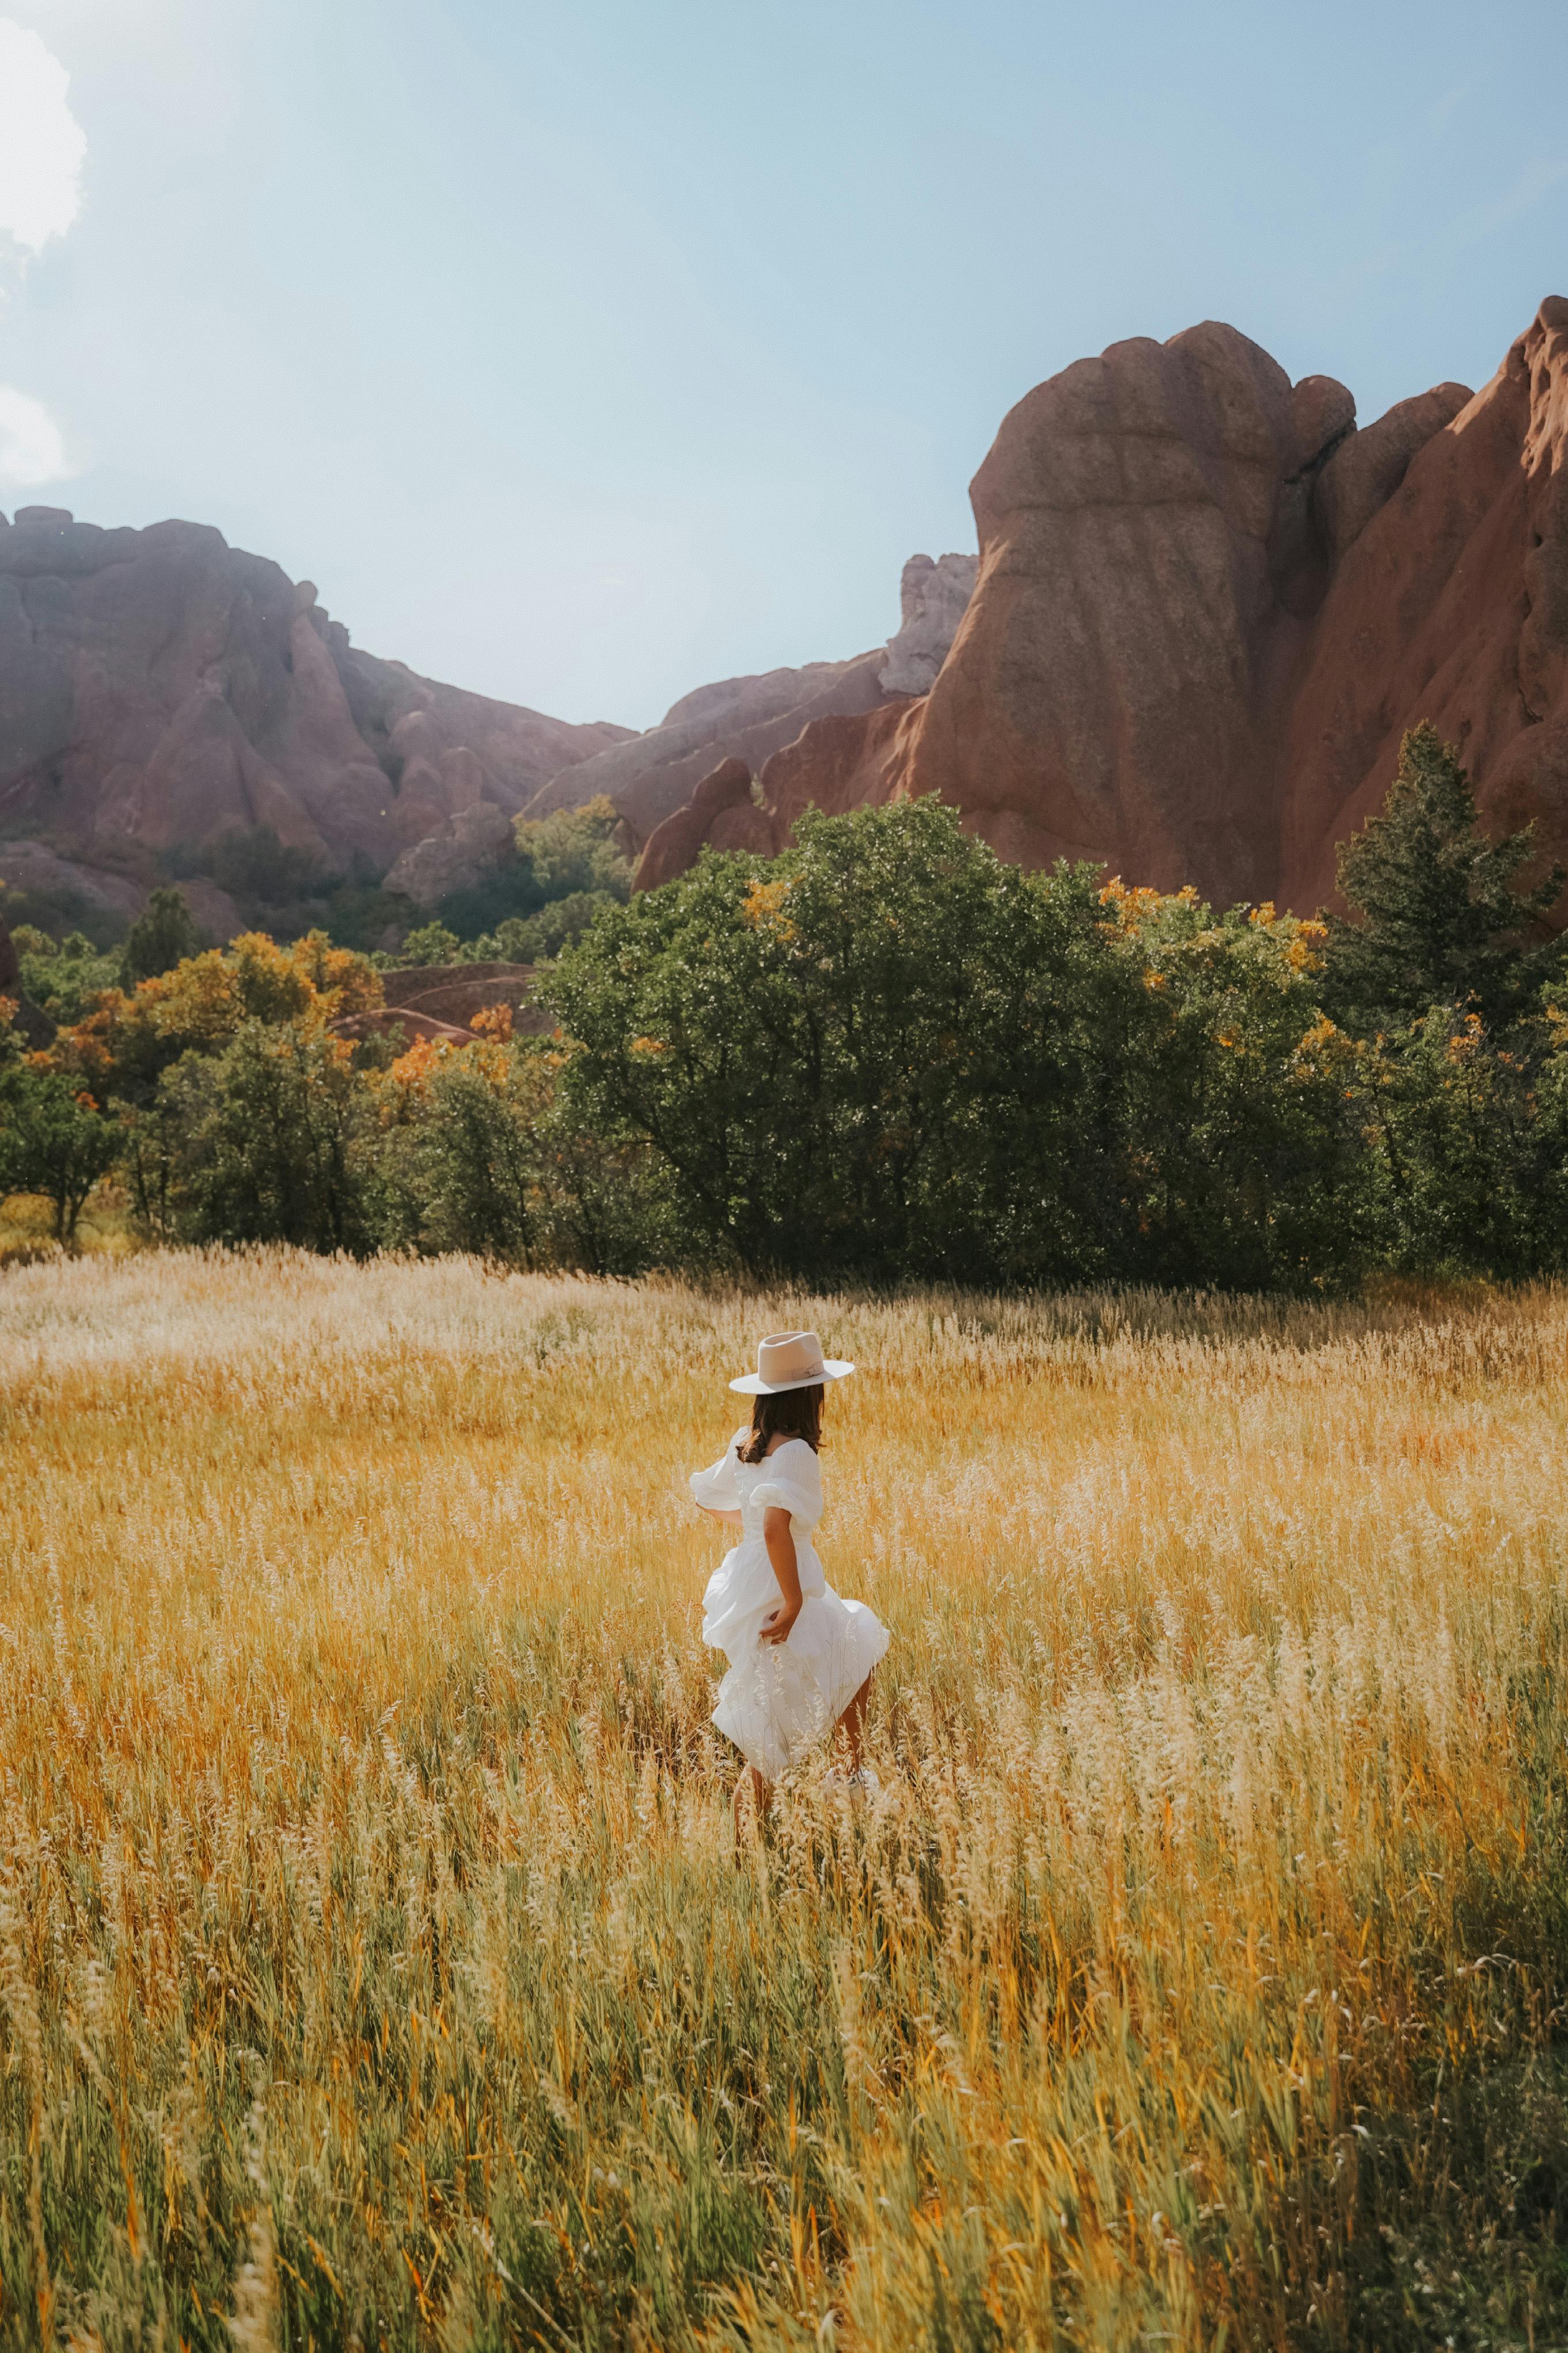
(159, 686)
(838, 765)
(838, 762)
(1208, 607)
(1147, 579)
(1449, 604)
(657, 775)
(743, 719)
(721, 798)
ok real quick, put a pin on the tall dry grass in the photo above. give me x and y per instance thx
(374, 1965)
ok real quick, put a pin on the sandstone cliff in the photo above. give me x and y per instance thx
(1209, 606)
(1450, 604)
(741, 717)
(158, 687)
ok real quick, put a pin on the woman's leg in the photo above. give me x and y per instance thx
(851, 1723)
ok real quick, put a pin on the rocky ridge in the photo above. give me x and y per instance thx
(1206, 605)
(750, 719)
(158, 688)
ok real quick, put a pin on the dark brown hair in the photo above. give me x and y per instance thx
(792, 1413)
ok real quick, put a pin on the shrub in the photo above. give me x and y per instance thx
(571, 853)
(475, 1168)
(432, 943)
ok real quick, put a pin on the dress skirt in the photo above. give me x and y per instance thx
(780, 1699)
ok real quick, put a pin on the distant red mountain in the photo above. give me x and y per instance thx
(158, 688)
(1207, 608)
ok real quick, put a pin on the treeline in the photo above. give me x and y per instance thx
(885, 1055)
(558, 874)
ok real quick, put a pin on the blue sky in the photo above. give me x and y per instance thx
(585, 352)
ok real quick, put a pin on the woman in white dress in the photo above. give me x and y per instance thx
(800, 1657)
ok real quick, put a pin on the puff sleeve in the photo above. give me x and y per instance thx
(793, 1482)
(716, 1489)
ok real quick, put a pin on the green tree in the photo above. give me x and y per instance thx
(477, 1162)
(54, 1140)
(64, 978)
(268, 1141)
(891, 1055)
(1242, 1157)
(1469, 1140)
(153, 1135)
(531, 939)
(576, 849)
(1442, 919)
(162, 936)
(569, 852)
(606, 1209)
(432, 943)
(872, 1057)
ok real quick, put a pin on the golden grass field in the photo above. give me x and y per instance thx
(376, 1968)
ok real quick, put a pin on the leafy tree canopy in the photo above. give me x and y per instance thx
(889, 1054)
(122, 1046)
(570, 853)
(431, 944)
(64, 977)
(54, 1140)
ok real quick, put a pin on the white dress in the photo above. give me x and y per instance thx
(779, 1697)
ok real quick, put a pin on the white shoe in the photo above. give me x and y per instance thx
(859, 1788)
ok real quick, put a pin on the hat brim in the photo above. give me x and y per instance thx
(752, 1384)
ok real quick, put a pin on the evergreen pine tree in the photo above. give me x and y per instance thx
(1442, 921)
(162, 936)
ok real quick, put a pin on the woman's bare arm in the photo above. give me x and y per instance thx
(779, 1537)
(730, 1519)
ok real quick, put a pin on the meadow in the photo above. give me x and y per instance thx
(375, 1965)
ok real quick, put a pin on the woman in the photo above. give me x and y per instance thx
(800, 1657)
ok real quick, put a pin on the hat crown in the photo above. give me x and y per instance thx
(790, 1357)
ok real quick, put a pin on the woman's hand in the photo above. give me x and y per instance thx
(779, 1537)
(777, 1625)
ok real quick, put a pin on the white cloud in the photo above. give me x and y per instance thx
(42, 147)
(42, 144)
(31, 449)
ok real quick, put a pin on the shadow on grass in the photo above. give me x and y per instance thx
(1460, 2233)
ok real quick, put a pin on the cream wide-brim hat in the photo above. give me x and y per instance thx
(790, 1360)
